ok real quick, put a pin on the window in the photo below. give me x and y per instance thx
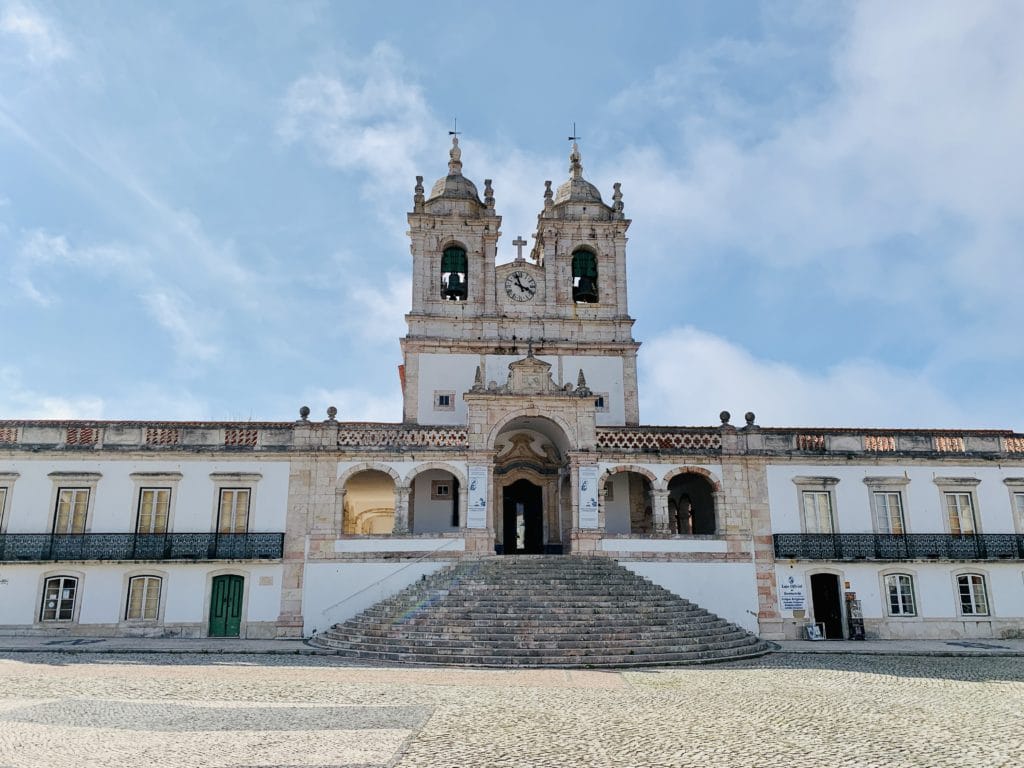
(59, 599)
(72, 510)
(960, 513)
(1018, 509)
(440, 490)
(454, 275)
(888, 511)
(233, 511)
(143, 598)
(973, 595)
(601, 402)
(584, 277)
(900, 589)
(154, 506)
(817, 507)
(444, 400)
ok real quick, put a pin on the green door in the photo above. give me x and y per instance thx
(226, 606)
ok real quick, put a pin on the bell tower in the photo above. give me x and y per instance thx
(567, 302)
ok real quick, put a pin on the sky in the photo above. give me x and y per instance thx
(202, 205)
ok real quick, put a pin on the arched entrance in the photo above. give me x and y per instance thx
(530, 469)
(691, 504)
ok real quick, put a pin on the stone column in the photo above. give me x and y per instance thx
(401, 511)
(659, 506)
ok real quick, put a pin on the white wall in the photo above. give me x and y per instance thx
(31, 500)
(453, 373)
(922, 500)
(616, 511)
(726, 589)
(433, 516)
(102, 590)
(334, 592)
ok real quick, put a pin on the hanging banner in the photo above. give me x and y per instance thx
(588, 496)
(476, 512)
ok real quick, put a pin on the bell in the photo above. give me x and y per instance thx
(586, 291)
(455, 288)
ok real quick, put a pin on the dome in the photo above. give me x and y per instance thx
(577, 189)
(454, 186)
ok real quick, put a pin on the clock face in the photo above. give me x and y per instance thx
(520, 286)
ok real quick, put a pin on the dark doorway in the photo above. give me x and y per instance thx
(828, 609)
(226, 606)
(523, 519)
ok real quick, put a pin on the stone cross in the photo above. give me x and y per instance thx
(519, 243)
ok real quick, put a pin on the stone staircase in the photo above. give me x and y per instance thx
(539, 611)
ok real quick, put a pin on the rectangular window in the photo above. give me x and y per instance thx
(817, 512)
(3, 503)
(154, 504)
(444, 401)
(888, 512)
(900, 588)
(233, 512)
(440, 490)
(59, 599)
(960, 511)
(1018, 508)
(973, 596)
(143, 598)
(72, 509)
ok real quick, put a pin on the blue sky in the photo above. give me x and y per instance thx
(202, 205)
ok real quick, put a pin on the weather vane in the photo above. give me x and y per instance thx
(455, 127)
(574, 137)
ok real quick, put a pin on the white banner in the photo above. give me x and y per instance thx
(476, 513)
(588, 496)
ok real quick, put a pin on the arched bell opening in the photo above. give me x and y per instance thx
(584, 277)
(454, 274)
(435, 501)
(628, 504)
(691, 505)
(369, 503)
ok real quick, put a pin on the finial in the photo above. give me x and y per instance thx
(304, 413)
(478, 379)
(529, 348)
(617, 198)
(454, 158)
(749, 417)
(575, 162)
(581, 380)
(548, 194)
(331, 413)
(417, 197)
(488, 194)
(725, 416)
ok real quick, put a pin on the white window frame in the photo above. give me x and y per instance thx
(7, 480)
(130, 580)
(902, 611)
(76, 598)
(1015, 485)
(150, 481)
(986, 600)
(605, 398)
(959, 486)
(234, 481)
(67, 481)
(436, 488)
(818, 487)
(887, 487)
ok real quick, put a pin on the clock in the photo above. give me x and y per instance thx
(520, 286)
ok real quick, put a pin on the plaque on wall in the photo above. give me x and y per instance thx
(476, 508)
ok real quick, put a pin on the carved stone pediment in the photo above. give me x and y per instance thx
(530, 376)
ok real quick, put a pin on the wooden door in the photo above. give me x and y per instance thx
(226, 606)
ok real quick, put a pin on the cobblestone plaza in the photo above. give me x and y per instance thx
(257, 710)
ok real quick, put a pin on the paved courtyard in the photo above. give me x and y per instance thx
(258, 710)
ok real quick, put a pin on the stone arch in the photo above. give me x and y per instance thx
(632, 509)
(693, 501)
(362, 467)
(427, 513)
(656, 484)
(568, 434)
(693, 470)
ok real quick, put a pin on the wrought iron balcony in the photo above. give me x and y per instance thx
(896, 546)
(47, 547)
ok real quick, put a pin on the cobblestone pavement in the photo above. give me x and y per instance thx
(784, 709)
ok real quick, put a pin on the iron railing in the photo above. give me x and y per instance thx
(46, 547)
(897, 546)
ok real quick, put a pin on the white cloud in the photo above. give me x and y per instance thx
(688, 376)
(42, 40)
(17, 401)
(179, 318)
(369, 119)
(378, 313)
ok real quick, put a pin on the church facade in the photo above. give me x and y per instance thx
(520, 435)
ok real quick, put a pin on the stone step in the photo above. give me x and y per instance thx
(538, 611)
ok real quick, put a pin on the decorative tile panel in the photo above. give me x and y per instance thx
(163, 436)
(658, 441)
(241, 438)
(880, 443)
(399, 436)
(8, 435)
(810, 442)
(1015, 445)
(82, 436)
(947, 444)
